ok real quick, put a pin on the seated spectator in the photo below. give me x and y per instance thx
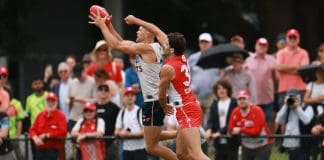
(129, 125)
(108, 111)
(6, 148)
(49, 125)
(90, 126)
(220, 112)
(296, 117)
(249, 120)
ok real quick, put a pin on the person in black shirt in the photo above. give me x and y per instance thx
(108, 111)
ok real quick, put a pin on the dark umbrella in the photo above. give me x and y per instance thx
(307, 72)
(215, 57)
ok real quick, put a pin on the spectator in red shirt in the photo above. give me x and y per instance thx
(90, 126)
(249, 120)
(50, 123)
(102, 58)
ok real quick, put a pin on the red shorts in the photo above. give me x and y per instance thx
(189, 115)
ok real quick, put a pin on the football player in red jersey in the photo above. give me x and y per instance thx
(175, 81)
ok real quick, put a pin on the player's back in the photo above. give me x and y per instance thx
(180, 92)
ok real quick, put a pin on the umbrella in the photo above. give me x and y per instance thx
(215, 57)
(307, 72)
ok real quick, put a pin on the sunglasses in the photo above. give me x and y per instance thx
(292, 37)
(88, 111)
(2, 76)
(102, 49)
(103, 89)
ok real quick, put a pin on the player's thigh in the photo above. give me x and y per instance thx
(188, 141)
(152, 135)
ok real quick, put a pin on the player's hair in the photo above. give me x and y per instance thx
(177, 41)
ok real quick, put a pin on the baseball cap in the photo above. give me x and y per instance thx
(4, 71)
(99, 44)
(129, 90)
(262, 41)
(243, 93)
(89, 106)
(205, 37)
(51, 96)
(293, 32)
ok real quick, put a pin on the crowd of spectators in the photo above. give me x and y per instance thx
(97, 97)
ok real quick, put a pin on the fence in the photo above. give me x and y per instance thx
(24, 144)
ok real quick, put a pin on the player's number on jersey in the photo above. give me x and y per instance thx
(184, 68)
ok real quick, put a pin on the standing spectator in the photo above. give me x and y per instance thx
(289, 59)
(4, 96)
(132, 80)
(119, 60)
(71, 60)
(35, 102)
(220, 112)
(61, 89)
(49, 124)
(15, 113)
(239, 77)
(295, 116)
(102, 57)
(86, 61)
(128, 125)
(81, 90)
(108, 111)
(201, 85)
(320, 54)
(101, 77)
(281, 41)
(6, 148)
(262, 68)
(249, 120)
(238, 41)
(314, 97)
(90, 126)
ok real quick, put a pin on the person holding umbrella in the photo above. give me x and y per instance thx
(201, 85)
(239, 77)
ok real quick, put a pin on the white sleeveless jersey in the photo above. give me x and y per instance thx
(149, 74)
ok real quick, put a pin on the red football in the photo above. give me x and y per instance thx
(95, 9)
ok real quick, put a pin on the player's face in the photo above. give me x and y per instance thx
(141, 34)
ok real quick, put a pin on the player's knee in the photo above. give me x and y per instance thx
(151, 149)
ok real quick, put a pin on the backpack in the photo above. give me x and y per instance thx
(137, 116)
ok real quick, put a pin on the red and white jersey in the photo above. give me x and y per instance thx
(180, 92)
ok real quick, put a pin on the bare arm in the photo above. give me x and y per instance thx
(4, 131)
(158, 33)
(114, 32)
(128, 47)
(286, 68)
(166, 75)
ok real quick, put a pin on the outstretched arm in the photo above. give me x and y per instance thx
(158, 33)
(128, 47)
(114, 32)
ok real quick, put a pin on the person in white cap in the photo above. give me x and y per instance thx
(148, 63)
(201, 85)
